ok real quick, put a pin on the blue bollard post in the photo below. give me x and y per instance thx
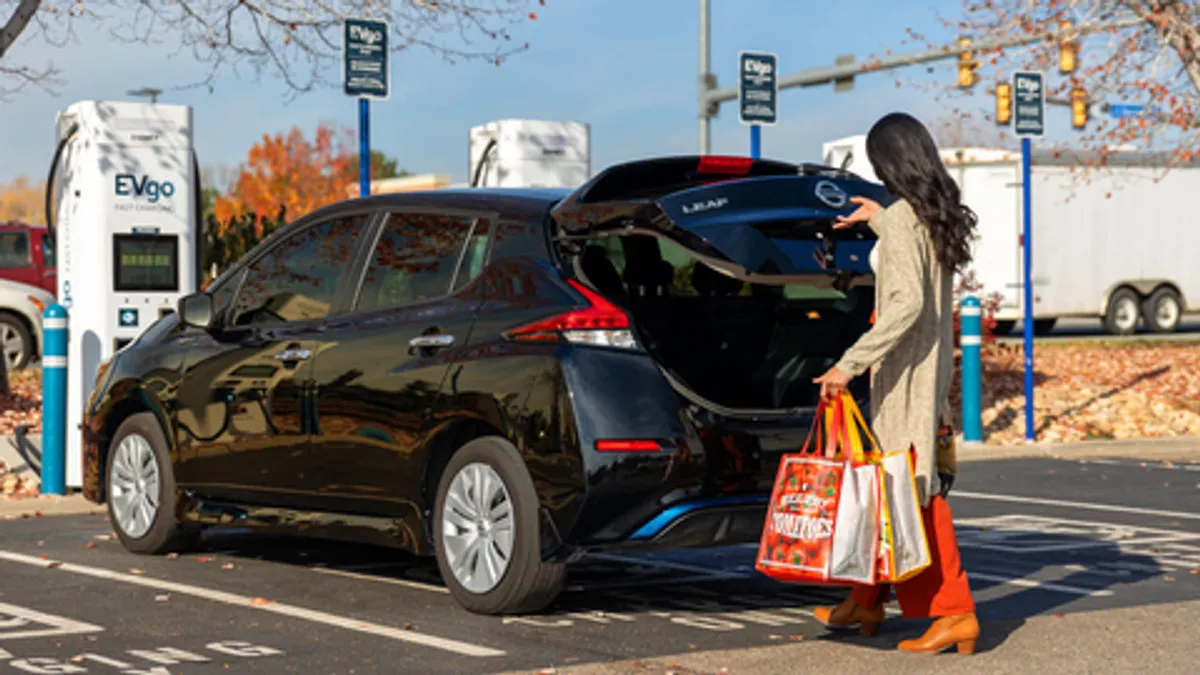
(54, 400)
(971, 340)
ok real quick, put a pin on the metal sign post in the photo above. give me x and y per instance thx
(1029, 121)
(758, 95)
(365, 75)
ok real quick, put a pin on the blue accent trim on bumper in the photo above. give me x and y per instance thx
(670, 515)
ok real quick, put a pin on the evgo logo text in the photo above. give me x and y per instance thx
(129, 185)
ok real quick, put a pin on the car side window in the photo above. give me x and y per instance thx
(416, 257)
(518, 239)
(297, 279)
(47, 251)
(14, 250)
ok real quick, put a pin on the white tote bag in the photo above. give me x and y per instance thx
(856, 534)
(905, 546)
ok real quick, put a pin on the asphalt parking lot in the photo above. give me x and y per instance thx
(1038, 537)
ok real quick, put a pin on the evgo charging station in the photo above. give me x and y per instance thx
(125, 184)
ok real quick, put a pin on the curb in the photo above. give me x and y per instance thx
(48, 505)
(1175, 448)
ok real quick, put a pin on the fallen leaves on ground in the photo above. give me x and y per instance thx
(258, 602)
(1089, 391)
(23, 403)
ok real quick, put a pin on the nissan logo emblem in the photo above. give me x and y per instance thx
(831, 194)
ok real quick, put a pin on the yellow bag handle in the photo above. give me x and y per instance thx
(846, 435)
(853, 420)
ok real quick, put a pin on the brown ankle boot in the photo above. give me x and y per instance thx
(849, 613)
(960, 630)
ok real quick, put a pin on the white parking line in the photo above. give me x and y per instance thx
(383, 580)
(455, 646)
(12, 616)
(1115, 508)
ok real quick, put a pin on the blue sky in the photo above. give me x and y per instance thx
(628, 67)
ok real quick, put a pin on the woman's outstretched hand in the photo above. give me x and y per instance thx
(833, 383)
(866, 209)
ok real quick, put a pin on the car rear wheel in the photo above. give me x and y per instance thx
(1163, 310)
(140, 488)
(487, 534)
(1124, 307)
(16, 343)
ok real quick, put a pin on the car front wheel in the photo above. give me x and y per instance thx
(487, 534)
(139, 484)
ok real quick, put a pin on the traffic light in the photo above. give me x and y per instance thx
(1003, 102)
(967, 65)
(1068, 50)
(1079, 107)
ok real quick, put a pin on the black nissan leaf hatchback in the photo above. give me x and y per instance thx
(504, 379)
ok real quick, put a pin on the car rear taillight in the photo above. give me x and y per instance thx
(736, 166)
(628, 446)
(601, 323)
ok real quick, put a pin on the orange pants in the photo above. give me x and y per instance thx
(940, 590)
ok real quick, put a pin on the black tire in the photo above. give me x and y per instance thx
(11, 324)
(165, 533)
(529, 584)
(1122, 305)
(1004, 327)
(1043, 326)
(1163, 310)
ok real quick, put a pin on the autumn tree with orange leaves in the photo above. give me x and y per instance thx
(23, 201)
(1155, 63)
(291, 174)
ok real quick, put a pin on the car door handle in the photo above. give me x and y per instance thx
(431, 341)
(294, 354)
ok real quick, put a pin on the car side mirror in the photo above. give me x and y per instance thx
(197, 310)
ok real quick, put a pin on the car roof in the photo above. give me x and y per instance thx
(508, 202)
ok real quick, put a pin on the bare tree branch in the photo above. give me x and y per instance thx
(296, 41)
(1156, 63)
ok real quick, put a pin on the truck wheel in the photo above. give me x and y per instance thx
(1163, 310)
(16, 343)
(487, 532)
(1124, 308)
(1043, 326)
(139, 486)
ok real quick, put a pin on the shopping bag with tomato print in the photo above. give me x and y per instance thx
(903, 547)
(823, 514)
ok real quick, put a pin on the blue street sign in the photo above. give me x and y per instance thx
(1121, 110)
(365, 58)
(758, 88)
(1029, 105)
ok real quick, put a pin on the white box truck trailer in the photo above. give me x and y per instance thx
(1112, 242)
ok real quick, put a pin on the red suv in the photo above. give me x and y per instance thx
(27, 256)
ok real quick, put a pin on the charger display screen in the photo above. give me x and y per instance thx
(145, 262)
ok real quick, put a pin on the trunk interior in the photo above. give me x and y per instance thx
(739, 345)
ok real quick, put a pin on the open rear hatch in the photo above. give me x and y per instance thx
(737, 283)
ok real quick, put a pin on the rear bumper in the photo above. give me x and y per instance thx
(699, 523)
(709, 483)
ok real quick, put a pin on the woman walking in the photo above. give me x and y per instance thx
(924, 238)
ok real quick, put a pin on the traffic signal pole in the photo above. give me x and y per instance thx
(712, 96)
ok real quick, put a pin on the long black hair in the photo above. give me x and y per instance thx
(906, 160)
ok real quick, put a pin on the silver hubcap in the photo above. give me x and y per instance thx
(11, 345)
(1167, 312)
(1127, 313)
(134, 484)
(477, 528)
